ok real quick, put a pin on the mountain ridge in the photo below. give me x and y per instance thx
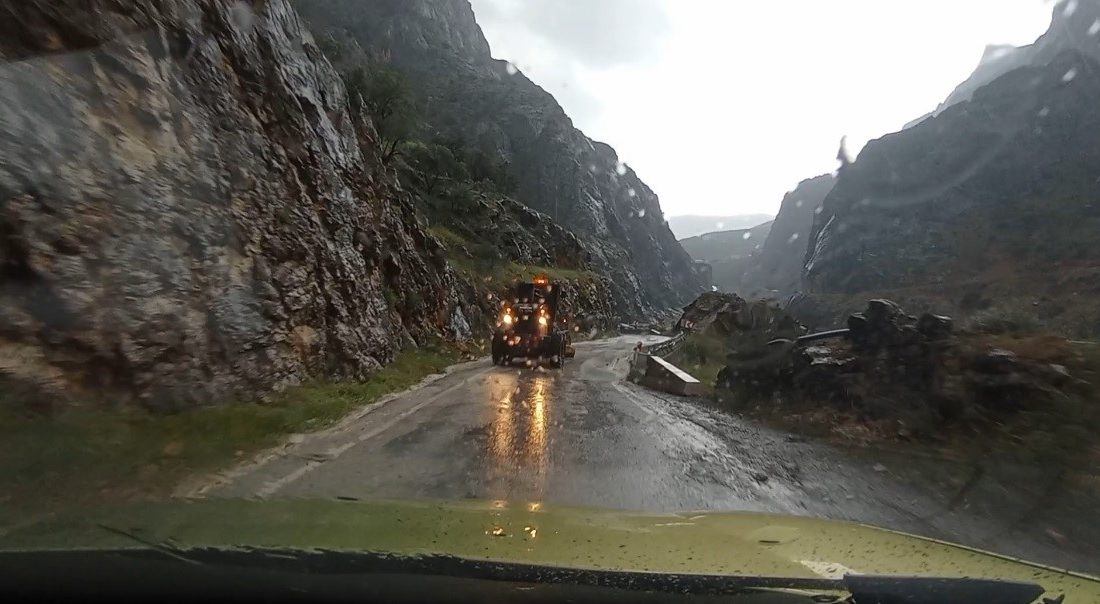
(487, 104)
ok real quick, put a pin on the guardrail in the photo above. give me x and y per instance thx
(640, 359)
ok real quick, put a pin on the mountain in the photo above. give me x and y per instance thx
(993, 201)
(726, 245)
(692, 225)
(191, 212)
(1075, 26)
(776, 269)
(765, 261)
(465, 96)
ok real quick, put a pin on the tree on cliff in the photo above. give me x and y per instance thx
(385, 94)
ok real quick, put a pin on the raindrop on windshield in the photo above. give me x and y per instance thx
(818, 210)
(1070, 75)
(641, 213)
(510, 68)
(1095, 28)
(746, 236)
(794, 237)
(798, 204)
(242, 16)
(1071, 7)
(632, 193)
(865, 202)
(1045, 111)
(719, 225)
(620, 169)
(593, 169)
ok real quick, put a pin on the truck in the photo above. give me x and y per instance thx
(533, 325)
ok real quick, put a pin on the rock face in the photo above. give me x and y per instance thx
(468, 96)
(1003, 185)
(776, 270)
(1072, 28)
(190, 213)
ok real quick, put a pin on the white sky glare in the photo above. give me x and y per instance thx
(722, 106)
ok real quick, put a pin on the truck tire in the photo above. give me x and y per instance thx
(497, 348)
(557, 351)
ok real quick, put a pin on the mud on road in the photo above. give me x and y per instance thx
(583, 436)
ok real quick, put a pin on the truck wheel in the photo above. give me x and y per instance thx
(557, 346)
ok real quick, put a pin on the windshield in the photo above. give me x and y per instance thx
(674, 274)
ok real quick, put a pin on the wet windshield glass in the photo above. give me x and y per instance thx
(632, 285)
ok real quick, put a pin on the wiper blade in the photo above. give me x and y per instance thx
(922, 590)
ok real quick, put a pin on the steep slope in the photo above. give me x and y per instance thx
(692, 225)
(190, 213)
(776, 269)
(468, 96)
(1075, 26)
(998, 194)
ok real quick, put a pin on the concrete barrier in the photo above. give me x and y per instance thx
(666, 377)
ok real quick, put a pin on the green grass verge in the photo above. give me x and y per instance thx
(87, 454)
(702, 355)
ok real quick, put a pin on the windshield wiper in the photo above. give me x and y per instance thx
(922, 590)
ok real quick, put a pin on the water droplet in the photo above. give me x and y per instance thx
(719, 225)
(510, 68)
(242, 15)
(620, 169)
(641, 213)
(593, 169)
(818, 210)
(1071, 7)
(798, 204)
(1095, 28)
(632, 193)
(1045, 111)
(865, 202)
(747, 236)
(794, 237)
(1070, 75)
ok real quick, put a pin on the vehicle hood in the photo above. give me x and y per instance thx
(744, 544)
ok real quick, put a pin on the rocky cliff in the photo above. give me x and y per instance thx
(776, 270)
(189, 212)
(1075, 26)
(466, 95)
(998, 191)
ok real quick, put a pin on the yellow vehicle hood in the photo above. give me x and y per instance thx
(741, 544)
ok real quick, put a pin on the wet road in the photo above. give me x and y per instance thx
(583, 436)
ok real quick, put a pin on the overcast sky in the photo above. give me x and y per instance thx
(722, 106)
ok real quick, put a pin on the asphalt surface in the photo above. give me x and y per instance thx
(583, 436)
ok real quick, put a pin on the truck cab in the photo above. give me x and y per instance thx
(532, 325)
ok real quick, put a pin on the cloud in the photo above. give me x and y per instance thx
(597, 34)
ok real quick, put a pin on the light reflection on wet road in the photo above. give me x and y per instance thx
(582, 436)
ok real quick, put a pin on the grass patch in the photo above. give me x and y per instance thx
(87, 455)
(483, 264)
(703, 355)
